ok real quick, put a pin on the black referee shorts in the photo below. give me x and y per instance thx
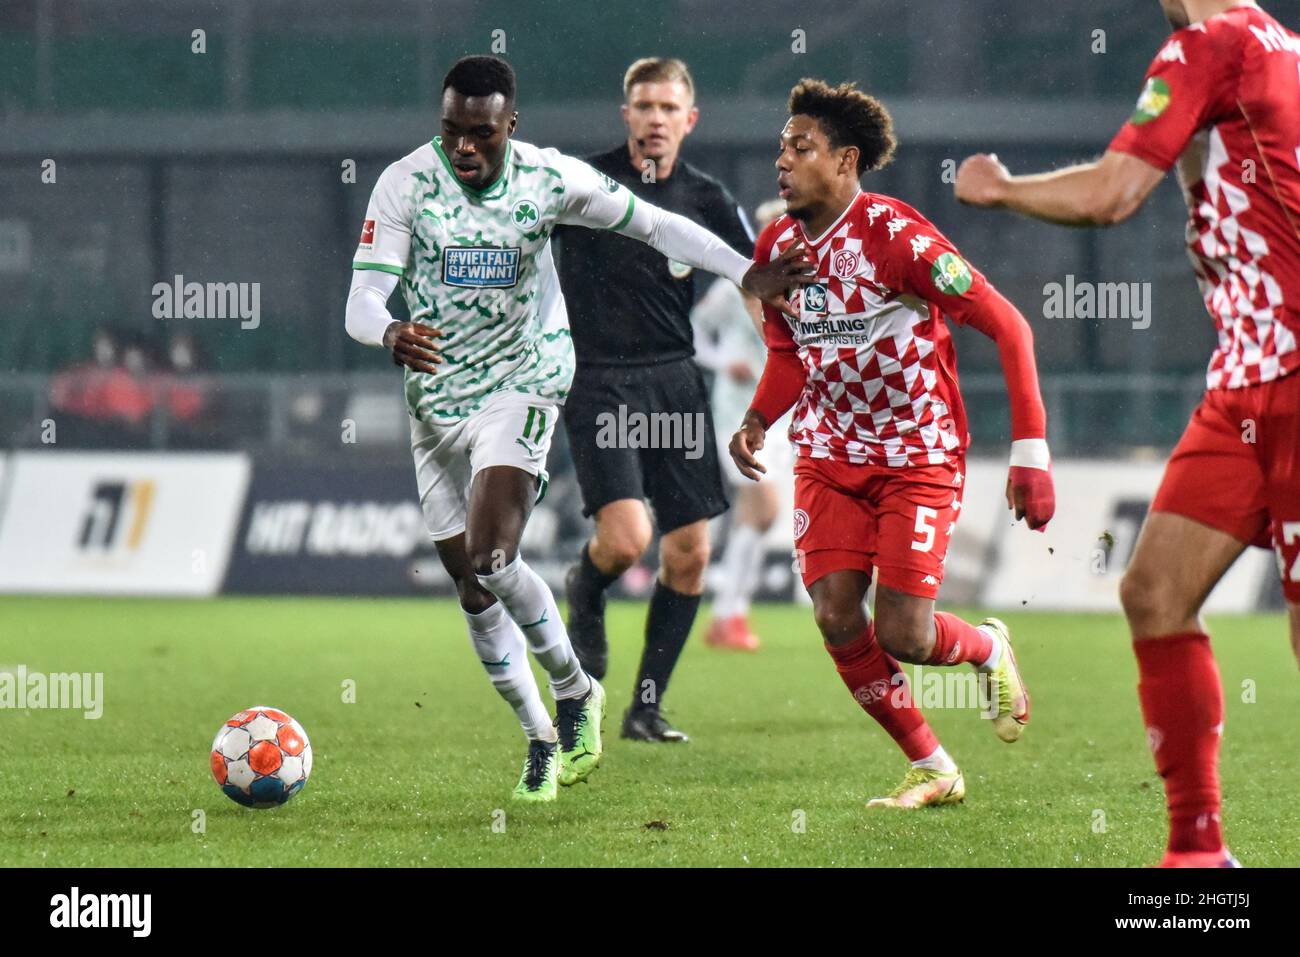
(646, 432)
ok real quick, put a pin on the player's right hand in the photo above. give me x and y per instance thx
(771, 281)
(981, 180)
(748, 440)
(412, 345)
(1031, 494)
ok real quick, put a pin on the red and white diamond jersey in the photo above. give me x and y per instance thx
(880, 369)
(1222, 99)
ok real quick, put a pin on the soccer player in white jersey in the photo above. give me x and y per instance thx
(463, 223)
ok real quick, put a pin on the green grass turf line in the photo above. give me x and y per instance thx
(413, 771)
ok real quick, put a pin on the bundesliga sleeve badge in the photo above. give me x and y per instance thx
(1152, 102)
(950, 274)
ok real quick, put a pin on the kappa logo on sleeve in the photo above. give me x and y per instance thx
(368, 234)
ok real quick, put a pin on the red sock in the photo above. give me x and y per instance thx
(956, 641)
(870, 676)
(1182, 705)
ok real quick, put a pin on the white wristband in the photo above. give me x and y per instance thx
(1030, 454)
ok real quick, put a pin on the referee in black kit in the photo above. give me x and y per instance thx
(629, 311)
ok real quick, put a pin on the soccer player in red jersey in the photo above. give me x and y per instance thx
(1222, 102)
(879, 427)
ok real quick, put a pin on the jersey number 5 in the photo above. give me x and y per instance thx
(924, 527)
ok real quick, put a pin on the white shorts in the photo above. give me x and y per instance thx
(509, 429)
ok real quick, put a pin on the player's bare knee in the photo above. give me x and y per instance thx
(905, 641)
(623, 552)
(839, 622)
(474, 598)
(683, 568)
(488, 560)
(1140, 596)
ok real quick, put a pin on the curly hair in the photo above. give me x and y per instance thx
(481, 76)
(849, 117)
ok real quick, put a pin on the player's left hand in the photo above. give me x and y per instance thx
(749, 438)
(771, 281)
(981, 180)
(1031, 494)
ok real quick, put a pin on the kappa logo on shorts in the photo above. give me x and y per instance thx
(801, 523)
(479, 267)
(929, 580)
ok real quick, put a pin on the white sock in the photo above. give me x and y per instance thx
(991, 662)
(742, 560)
(937, 760)
(500, 647)
(532, 606)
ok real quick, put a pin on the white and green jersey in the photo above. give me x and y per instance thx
(477, 265)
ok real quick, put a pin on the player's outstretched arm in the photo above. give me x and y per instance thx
(936, 272)
(1101, 193)
(596, 201)
(1192, 80)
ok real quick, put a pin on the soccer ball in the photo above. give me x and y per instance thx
(261, 757)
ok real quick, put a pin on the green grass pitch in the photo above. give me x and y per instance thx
(418, 769)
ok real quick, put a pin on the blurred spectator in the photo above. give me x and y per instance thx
(105, 401)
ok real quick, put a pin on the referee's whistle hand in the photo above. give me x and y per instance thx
(771, 281)
(412, 345)
(743, 445)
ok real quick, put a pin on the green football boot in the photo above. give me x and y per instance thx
(579, 721)
(1008, 689)
(541, 773)
(924, 787)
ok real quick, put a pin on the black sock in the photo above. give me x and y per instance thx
(594, 581)
(667, 627)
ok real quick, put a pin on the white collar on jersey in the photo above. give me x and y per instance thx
(833, 226)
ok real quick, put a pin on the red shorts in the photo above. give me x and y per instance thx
(898, 520)
(1237, 469)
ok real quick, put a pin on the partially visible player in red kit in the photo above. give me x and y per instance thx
(879, 426)
(1222, 101)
